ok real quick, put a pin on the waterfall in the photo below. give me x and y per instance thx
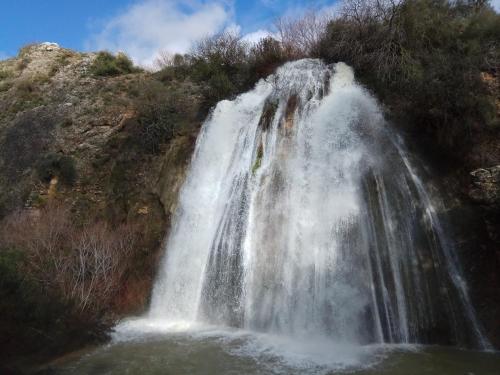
(302, 215)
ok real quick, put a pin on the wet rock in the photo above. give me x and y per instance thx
(485, 187)
(173, 171)
(268, 113)
(291, 106)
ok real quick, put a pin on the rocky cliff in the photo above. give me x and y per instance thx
(80, 139)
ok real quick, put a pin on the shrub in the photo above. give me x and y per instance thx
(258, 159)
(173, 67)
(5, 74)
(52, 165)
(223, 65)
(220, 87)
(220, 63)
(27, 312)
(10, 259)
(82, 266)
(5, 86)
(28, 89)
(266, 56)
(24, 142)
(225, 49)
(107, 64)
(161, 112)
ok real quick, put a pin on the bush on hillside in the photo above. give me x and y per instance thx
(267, 55)
(172, 66)
(5, 74)
(107, 64)
(55, 165)
(221, 61)
(224, 65)
(163, 111)
(30, 315)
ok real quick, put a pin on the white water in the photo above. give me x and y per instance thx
(312, 227)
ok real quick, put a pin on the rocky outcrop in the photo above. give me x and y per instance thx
(485, 187)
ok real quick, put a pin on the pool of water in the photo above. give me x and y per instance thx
(208, 350)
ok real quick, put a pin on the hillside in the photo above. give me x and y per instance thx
(75, 142)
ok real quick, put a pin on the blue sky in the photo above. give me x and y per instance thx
(139, 27)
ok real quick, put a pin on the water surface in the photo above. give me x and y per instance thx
(212, 350)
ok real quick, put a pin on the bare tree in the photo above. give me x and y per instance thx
(84, 265)
(43, 235)
(227, 48)
(366, 12)
(300, 36)
(99, 260)
(368, 34)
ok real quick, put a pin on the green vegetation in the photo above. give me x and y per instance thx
(5, 86)
(163, 111)
(55, 165)
(28, 93)
(258, 159)
(270, 108)
(27, 310)
(224, 65)
(424, 59)
(30, 85)
(106, 64)
(267, 55)
(5, 74)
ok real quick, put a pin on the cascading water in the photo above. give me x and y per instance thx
(302, 216)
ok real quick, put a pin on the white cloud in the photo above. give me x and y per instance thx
(150, 26)
(256, 36)
(323, 8)
(3, 55)
(233, 28)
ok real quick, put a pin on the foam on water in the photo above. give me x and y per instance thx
(273, 353)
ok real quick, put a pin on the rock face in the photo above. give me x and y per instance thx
(485, 187)
(478, 236)
(51, 105)
(485, 191)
